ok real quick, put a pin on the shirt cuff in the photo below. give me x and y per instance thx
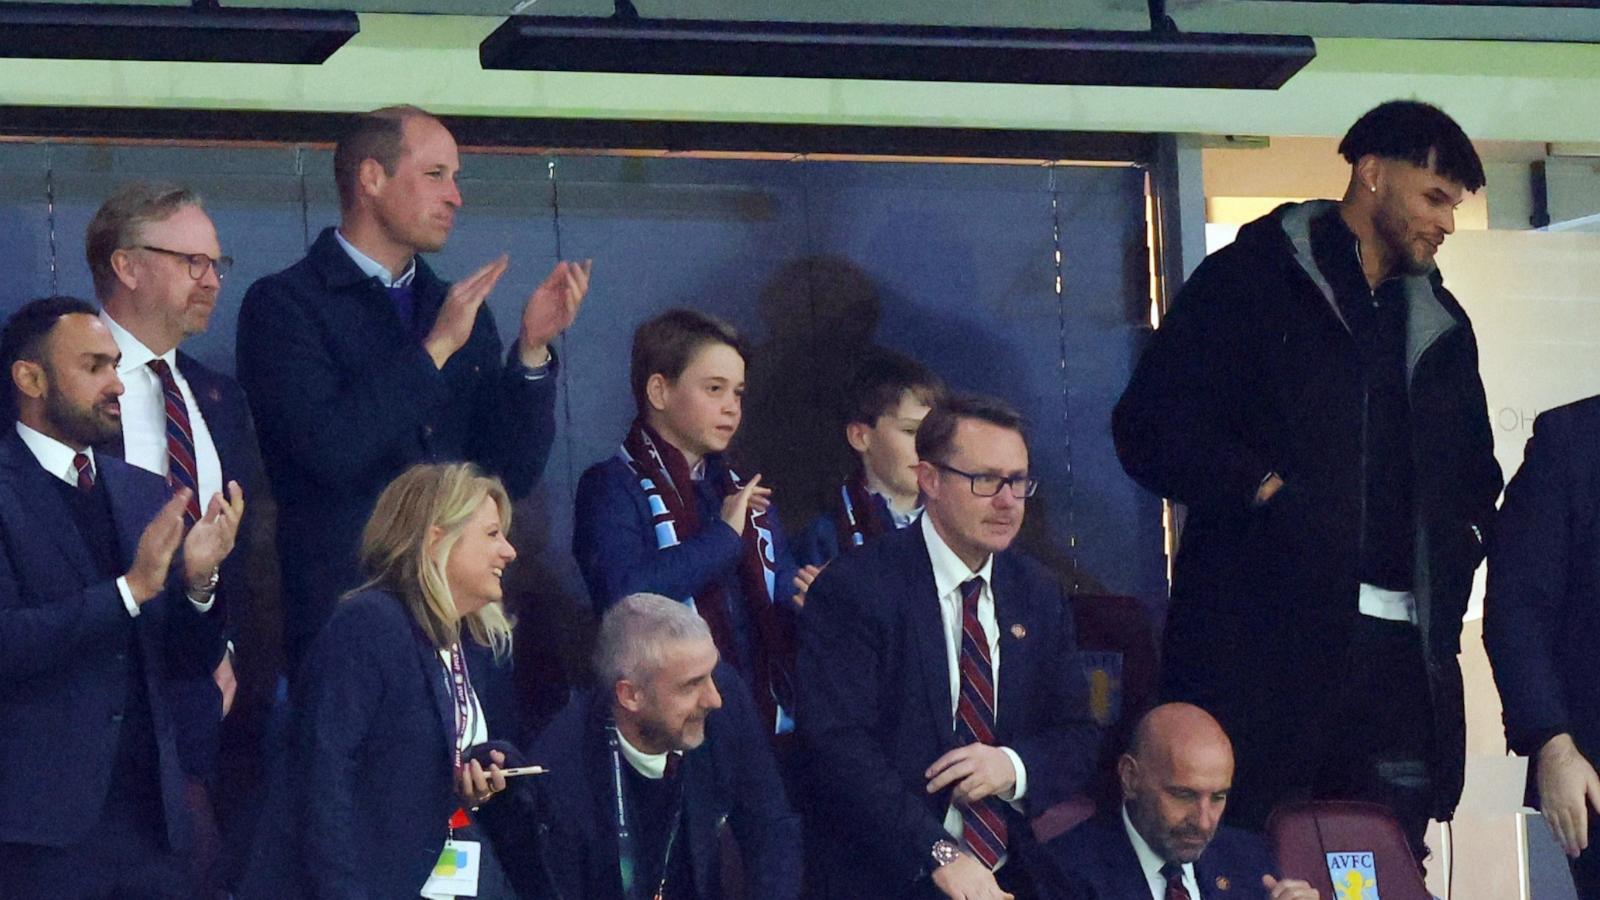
(127, 596)
(1020, 789)
(201, 607)
(534, 373)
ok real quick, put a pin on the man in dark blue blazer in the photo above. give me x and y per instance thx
(1164, 841)
(940, 706)
(99, 607)
(360, 362)
(668, 737)
(158, 267)
(1541, 625)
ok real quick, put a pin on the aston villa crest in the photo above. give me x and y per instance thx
(1355, 876)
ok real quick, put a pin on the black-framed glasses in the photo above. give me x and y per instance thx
(985, 485)
(198, 262)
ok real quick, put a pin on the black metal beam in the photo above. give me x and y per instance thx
(507, 133)
(172, 34)
(896, 52)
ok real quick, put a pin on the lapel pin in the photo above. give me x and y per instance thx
(1019, 631)
(1223, 883)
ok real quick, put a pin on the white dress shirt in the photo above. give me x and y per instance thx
(949, 573)
(1151, 864)
(651, 765)
(57, 459)
(477, 726)
(144, 414)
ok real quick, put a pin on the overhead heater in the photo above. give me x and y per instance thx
(1160, 57)
(201, 32)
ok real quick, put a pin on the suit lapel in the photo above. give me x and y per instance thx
(38, 493)
(927, 627)
(438, 688)
(213, 412)
(1121, 858)
(1011, 621)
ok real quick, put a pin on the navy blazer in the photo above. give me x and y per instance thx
(615, 544)
(818, 542)
(360, 803)
(62, 628)
(1096, 861)
(1541, 615)
(346, 399)
(874, 711)
(196, 701)
(556, 835)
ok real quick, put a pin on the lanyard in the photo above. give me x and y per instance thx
(461, 689)
(627, 850)
(461, 695)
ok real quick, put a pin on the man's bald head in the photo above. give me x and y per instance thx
(1175, 779)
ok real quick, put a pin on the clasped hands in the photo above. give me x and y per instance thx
(974, 772)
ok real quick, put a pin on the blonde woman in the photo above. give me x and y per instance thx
(388, 707)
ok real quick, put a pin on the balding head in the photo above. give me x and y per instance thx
(1175, 780)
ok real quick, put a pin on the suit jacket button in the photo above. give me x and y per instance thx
(427, 431)
(116, 718)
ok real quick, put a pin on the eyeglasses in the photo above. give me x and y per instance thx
(198, 262)
(1022, 487)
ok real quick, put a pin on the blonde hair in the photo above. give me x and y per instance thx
(395, 553)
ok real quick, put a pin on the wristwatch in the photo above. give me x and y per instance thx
(944, 853)
(207, 590)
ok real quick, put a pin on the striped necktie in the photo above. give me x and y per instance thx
(983, 823)
(1174, 875)
(80, 463)
(181, 468)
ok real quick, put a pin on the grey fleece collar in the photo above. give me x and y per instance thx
(1426, 318)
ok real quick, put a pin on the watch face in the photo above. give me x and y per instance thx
(945, 852)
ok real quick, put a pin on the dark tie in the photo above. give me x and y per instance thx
(1174, 875)
(85, 471)
(181, 468)
(402, 298)
(983, 823)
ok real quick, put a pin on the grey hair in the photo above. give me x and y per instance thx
(633, 635)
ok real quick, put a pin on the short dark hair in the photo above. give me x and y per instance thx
(667, 343)
(120, 221)
(938, 430)
(1417, 133)
(882, 378)
(378, 135)
(25, 334)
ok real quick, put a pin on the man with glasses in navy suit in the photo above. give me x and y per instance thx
(158, 268)
(941, 705)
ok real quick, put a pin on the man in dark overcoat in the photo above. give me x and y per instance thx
(1313, 401)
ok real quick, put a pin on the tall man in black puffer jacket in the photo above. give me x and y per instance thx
(1313, 399)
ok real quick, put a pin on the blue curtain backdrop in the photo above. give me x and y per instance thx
(1026, 281)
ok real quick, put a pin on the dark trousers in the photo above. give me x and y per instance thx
(1374, 736)
(1380, 736)
(123, 858)
(1586, 868)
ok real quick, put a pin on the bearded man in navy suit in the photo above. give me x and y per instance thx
(1164, 842)
(104, 598)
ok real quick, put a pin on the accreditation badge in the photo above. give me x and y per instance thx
(456, 872)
